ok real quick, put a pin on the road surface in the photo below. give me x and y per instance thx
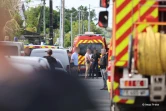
(99, 97)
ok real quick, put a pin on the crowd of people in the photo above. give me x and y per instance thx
(93, 61)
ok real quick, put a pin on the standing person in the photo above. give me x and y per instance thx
(95, 58)
(87, 62)
(103, 67)
(69, 55)
(52, 61)
(91, 63)
(74, 61)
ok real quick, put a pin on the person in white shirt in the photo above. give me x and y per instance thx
(74, 60)
(91, 61)
(87, 62)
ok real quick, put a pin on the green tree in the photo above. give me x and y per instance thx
(33, 18)
(11, 23)
(34, 13)
(67, 40)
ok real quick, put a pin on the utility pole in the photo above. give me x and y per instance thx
(60, 26)
(79, 23)
(71, 32)
(44, 17)
(89, 20)
(83, 29)
(62, 19)
(82, 23)
(51, 24)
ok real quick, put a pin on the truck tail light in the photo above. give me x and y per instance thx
(134, 83)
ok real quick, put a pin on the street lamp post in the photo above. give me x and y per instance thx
(71, 32)
(60, 25)
(89, 20)
(44, 18)
(51, 24)
(62, 20)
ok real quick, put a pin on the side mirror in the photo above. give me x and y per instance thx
(104, 3)
(103, 19)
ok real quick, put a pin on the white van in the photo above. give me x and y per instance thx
(12, 48)
(35, 63)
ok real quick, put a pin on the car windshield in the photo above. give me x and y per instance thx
(83, 47)
(60, 55)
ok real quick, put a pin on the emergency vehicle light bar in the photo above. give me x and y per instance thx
(90, 35)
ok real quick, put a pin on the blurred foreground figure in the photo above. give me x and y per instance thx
(42, 91)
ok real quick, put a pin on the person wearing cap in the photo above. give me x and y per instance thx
(52, 61)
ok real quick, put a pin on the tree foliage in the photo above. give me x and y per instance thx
(33, 18)
(11, 22)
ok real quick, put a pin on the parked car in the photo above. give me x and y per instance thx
(12, 48)
(30, 64)
(60, 54)
(36, 62)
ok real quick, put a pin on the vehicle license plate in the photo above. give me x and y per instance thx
(134, 92)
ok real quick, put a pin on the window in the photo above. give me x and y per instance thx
(10, 50)
(83, 47)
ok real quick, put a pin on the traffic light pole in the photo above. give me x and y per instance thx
(51, 23)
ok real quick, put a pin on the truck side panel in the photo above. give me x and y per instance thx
(127, 13)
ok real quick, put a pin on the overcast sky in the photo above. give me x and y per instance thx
(76, 3)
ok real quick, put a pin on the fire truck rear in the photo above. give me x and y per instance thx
(91, 41)
(137, 54)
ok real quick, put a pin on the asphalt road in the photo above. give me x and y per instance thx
(99, 97)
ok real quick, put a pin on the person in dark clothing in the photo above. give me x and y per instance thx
(52, 61)
(95, 58)
(103, 68)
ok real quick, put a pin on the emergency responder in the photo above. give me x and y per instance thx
(103, 67)
(87, 62)
(95, 58)
(91, 63)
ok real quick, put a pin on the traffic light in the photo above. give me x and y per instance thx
(103, 19)
(104, 3)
